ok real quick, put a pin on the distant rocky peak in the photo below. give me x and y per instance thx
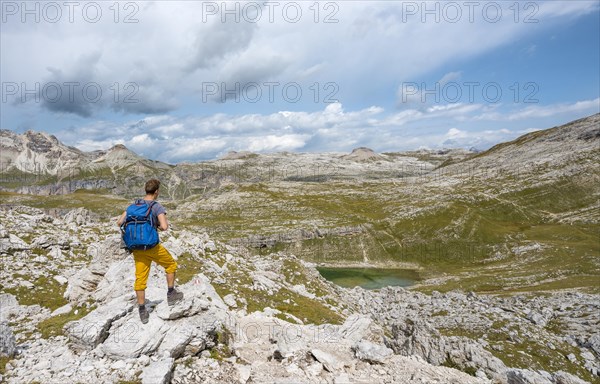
(234, 155)
(363, 150)
(119, 147)
(41, 142)
(363, 154)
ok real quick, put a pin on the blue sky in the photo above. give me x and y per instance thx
(387, 75)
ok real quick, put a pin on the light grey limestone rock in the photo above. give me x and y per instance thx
(329, 361)
(594, 343)
(526, 376)
(7, 340)
(61, 279)
(12, 243)
(129, 338)
(230, 300)
(371, 352)
(62, 310)
(562, 377)
(93, 329)
(158, 372)
(8, 305)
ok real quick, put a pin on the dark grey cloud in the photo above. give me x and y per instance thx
(82, 89)
(217, 40)
(73, 90)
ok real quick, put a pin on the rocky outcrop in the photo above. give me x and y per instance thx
(526, 376)
(202, 337)
(37, 153)
(83, 284)
(8, 305)
(264, 241)
(79, 216)
(307, 353)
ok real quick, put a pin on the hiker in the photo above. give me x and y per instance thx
(144, 216)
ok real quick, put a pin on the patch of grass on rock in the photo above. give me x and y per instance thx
(46, 292)
(53, 326)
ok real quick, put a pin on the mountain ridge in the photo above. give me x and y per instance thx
(38, 142)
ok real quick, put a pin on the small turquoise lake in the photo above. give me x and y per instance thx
(369, 278)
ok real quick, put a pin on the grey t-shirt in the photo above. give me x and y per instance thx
(157, 209)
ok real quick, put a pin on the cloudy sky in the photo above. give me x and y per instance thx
(191, 80)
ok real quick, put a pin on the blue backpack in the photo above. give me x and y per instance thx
(139, 229)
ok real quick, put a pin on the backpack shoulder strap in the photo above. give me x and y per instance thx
(149, 213)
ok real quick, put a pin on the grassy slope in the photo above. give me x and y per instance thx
(455, 231)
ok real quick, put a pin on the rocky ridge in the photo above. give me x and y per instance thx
(37, 163)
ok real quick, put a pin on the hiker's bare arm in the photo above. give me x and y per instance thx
(163, 224)
(121, 219)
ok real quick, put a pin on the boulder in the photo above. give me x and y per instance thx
(371, 352)
(8, 305)
(159, 372)
(329, 361)
(62, 310)
(185, 308)
(562, 377)
(526, 376)
(61, 279)
(358, 327)
(12, 243)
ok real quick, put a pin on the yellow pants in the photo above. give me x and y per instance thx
(143, 260)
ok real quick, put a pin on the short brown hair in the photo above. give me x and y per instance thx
(152, 186)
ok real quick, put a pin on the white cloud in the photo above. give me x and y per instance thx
(450, 76)
(454, 133)
(277, 143)
(539, 111)
(174, 139)
(142, 140)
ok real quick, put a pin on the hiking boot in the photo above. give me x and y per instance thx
(144, 315)
(174, 297)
